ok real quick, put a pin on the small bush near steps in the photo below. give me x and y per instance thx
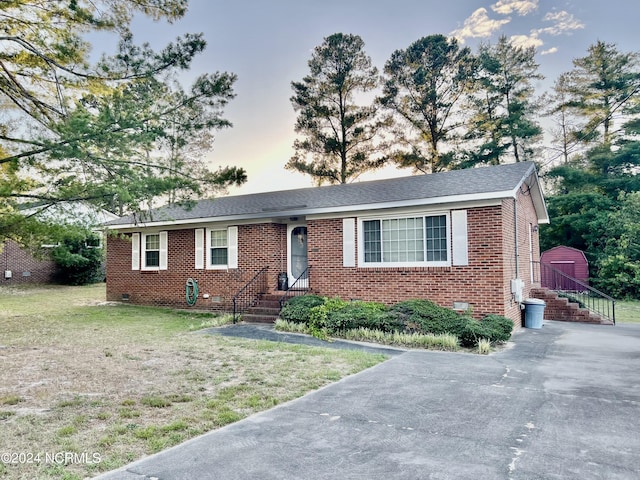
(337, 316)
(297, 309)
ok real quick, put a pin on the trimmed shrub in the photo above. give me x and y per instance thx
(298, 309)
(493, 328)
(318, 315)
(328, 316)
(425, 316)
(473, 332)
(502, 327)
(359, 314)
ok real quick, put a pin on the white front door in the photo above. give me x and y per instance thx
(298, 259)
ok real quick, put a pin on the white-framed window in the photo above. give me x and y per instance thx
(94, 241)
(412, 240)
(218, 248)
(221, 248)
(149, 251)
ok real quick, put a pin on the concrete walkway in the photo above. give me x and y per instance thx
(262, 331)
(562, 403)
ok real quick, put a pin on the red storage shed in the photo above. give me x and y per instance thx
(569, 261)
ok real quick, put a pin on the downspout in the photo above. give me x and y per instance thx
(515, 234)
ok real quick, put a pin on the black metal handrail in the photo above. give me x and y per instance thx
(248, 295)
(591, 298)
(301, 286)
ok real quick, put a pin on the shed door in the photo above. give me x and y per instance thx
(569, 269)
(298, 259)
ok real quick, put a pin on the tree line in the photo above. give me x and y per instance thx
(440, 106)
(123, 131)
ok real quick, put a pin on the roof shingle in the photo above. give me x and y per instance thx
(476, 181)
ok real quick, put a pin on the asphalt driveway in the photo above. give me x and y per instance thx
(563, 402)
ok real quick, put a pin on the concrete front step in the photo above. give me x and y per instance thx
(266, 310)
(258, 318)
(262, 310)
(269, 303)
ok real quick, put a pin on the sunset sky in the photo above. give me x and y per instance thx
(268, 43)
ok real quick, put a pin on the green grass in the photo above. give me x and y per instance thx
(627, 311)
(125, 381)
(10, 400)
(410, 340)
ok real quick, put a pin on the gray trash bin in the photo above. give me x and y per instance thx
(533, 312)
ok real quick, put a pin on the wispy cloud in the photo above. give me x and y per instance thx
(563, 23)
(526, 41)
(478, 25)
(520, 7)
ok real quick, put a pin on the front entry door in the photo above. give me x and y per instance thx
(298, 259)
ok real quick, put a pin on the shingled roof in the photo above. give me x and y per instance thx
(493, 182)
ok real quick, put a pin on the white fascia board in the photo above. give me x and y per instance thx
(397, 207)
(195, 222)
(203, 222)
(532, 181)
(538, 201)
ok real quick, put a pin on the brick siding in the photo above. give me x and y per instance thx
(259, 245)
(527, 220)
(484, 284)
(479, 283)
(25, 267)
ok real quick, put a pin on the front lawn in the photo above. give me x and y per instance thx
(628, 311)
(87, 386)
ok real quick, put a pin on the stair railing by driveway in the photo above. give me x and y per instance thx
(248, 295)
(575, 290)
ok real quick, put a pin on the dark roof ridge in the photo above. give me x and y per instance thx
(478, 181)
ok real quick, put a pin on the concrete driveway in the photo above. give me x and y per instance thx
(563, 402)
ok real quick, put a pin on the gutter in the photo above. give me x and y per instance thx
(331, 210)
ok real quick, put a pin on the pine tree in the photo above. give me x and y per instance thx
(503, 125)
(424, 86)
(339, 136)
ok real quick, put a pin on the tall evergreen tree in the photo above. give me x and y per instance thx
(585, 208)
(339, 136)
(72, 129)
(566, 133)
(602, 87)
(424, 86)
(619, 264)
(503, 125)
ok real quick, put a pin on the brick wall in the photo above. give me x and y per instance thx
(526, 251)
(24, 266)
(258, 246)
(484, 283)
(479, 283)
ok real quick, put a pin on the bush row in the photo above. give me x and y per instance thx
(334, 316)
